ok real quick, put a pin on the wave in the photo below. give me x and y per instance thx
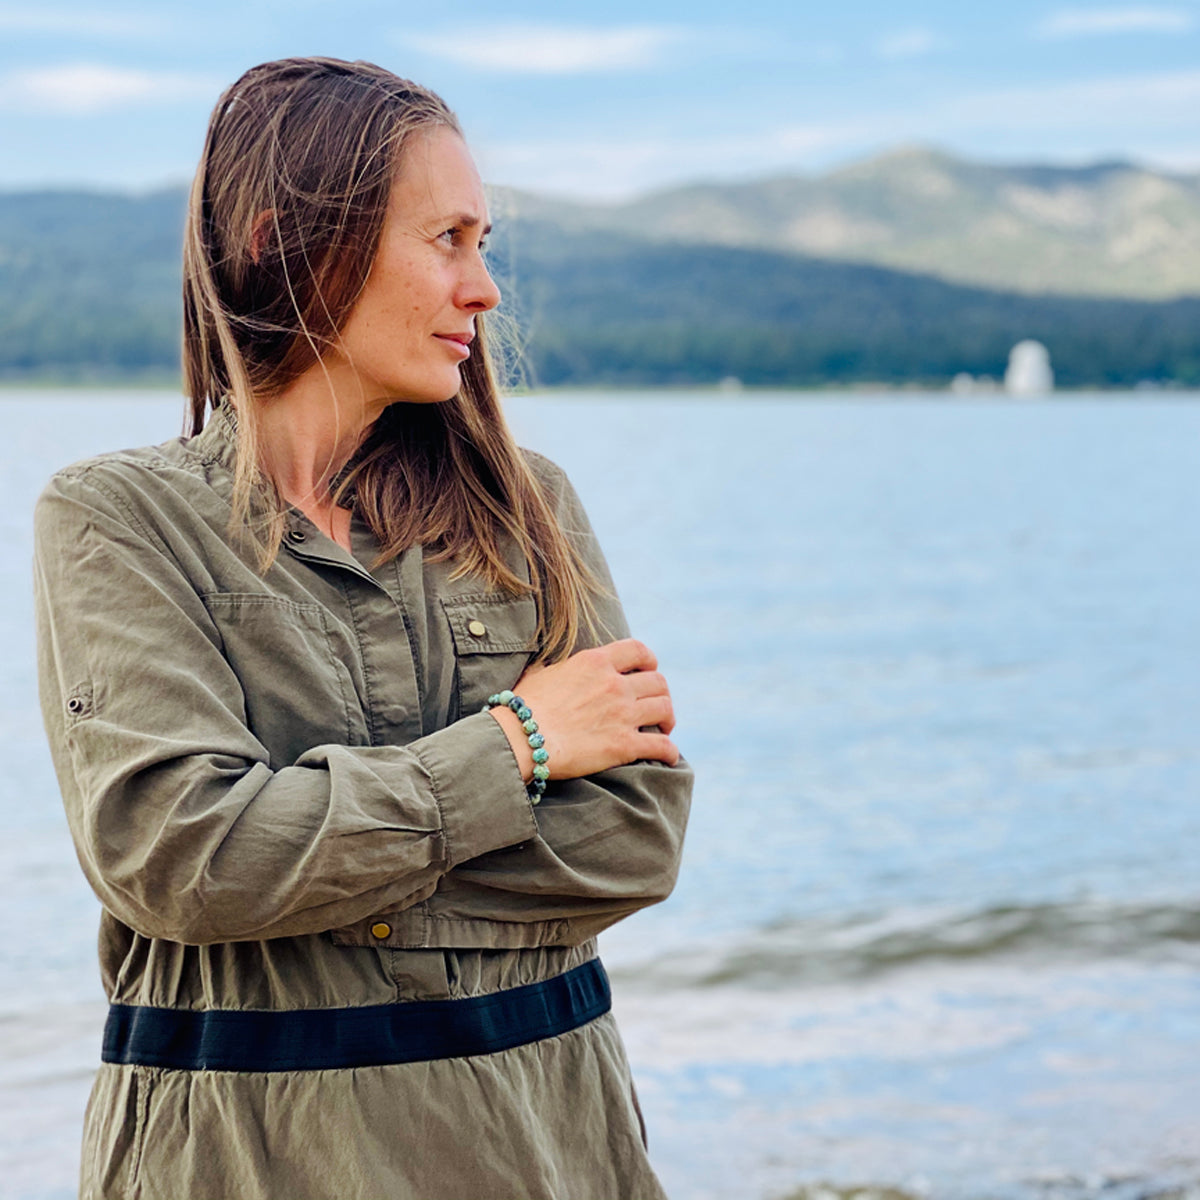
(1055, 1187)
(830, 950)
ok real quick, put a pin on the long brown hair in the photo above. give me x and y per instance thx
(283, 224)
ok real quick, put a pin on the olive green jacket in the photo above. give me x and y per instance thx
(282, 790)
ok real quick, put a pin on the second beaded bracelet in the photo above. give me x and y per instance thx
(537, 743)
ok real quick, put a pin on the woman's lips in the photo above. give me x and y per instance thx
(459, 341)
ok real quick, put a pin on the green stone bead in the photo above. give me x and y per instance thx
(541, 756)
(536, 740)
(504, 697)
(541, 772)
(530, 726)
(523, 714)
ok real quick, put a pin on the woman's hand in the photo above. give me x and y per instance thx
(592, 709)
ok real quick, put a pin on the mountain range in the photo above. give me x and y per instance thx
(906, 269)
(1109, 229)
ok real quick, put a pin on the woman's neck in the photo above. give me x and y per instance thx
(307, 434)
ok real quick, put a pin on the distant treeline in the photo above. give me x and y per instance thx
(89, 284)
(89, 288)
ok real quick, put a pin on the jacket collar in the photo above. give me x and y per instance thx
(217, 441)
(216, 444)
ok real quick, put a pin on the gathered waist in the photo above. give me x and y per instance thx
(374, 1035)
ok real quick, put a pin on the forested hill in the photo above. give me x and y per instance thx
(611, 309)
(1112, 229)
(89, 283)
(89, 289)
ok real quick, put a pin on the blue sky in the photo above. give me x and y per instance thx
(609, 100)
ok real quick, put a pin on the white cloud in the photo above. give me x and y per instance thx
(909, 43)
(1110, 115)
(589, 167)
(1137, 103)
(530, 49)
(1178, 159)
(1083, 22)
(617, 169)
(84, 88)
(15, 19)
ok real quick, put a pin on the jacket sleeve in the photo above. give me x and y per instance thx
(182, 827)
(607, 844)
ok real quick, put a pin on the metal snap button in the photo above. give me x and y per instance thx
(381, 930)
(297, 535)
(75, 706)
(476, 628)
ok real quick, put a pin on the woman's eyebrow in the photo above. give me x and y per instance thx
(465, 221)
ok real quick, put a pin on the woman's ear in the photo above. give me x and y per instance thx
(261, 233)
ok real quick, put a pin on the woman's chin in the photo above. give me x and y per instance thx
(430, 395)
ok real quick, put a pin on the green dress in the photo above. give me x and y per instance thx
(284, 794)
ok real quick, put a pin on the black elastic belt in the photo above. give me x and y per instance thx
(323, 1039)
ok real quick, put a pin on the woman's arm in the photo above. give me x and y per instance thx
(183, 828)
(608, 843)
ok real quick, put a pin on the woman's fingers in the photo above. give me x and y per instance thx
(598, 708)
(652, 699)
(656, 710)
(647, 683)
(656, 746)
(630, 655)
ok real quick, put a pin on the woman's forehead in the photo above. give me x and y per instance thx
(438, 178)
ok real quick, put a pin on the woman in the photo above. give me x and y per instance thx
(348, 924)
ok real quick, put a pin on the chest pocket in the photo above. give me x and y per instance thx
(291, 660)
(493, 642)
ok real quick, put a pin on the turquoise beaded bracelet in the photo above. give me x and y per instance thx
(537, 743)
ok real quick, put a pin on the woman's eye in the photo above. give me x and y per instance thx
(454, 237)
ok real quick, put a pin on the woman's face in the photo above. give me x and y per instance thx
(410, 329)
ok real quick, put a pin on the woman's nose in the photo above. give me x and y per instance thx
(479, 292)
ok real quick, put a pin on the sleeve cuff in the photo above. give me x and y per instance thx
(478, 786)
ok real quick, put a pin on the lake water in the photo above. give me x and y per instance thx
(938, 926)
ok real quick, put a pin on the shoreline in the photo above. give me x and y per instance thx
(866, 390)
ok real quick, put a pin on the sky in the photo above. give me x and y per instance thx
(607, 101)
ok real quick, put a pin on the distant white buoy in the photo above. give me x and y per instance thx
(1029, 372)
(965, 384)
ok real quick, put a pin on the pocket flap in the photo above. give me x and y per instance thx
(492, 623)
